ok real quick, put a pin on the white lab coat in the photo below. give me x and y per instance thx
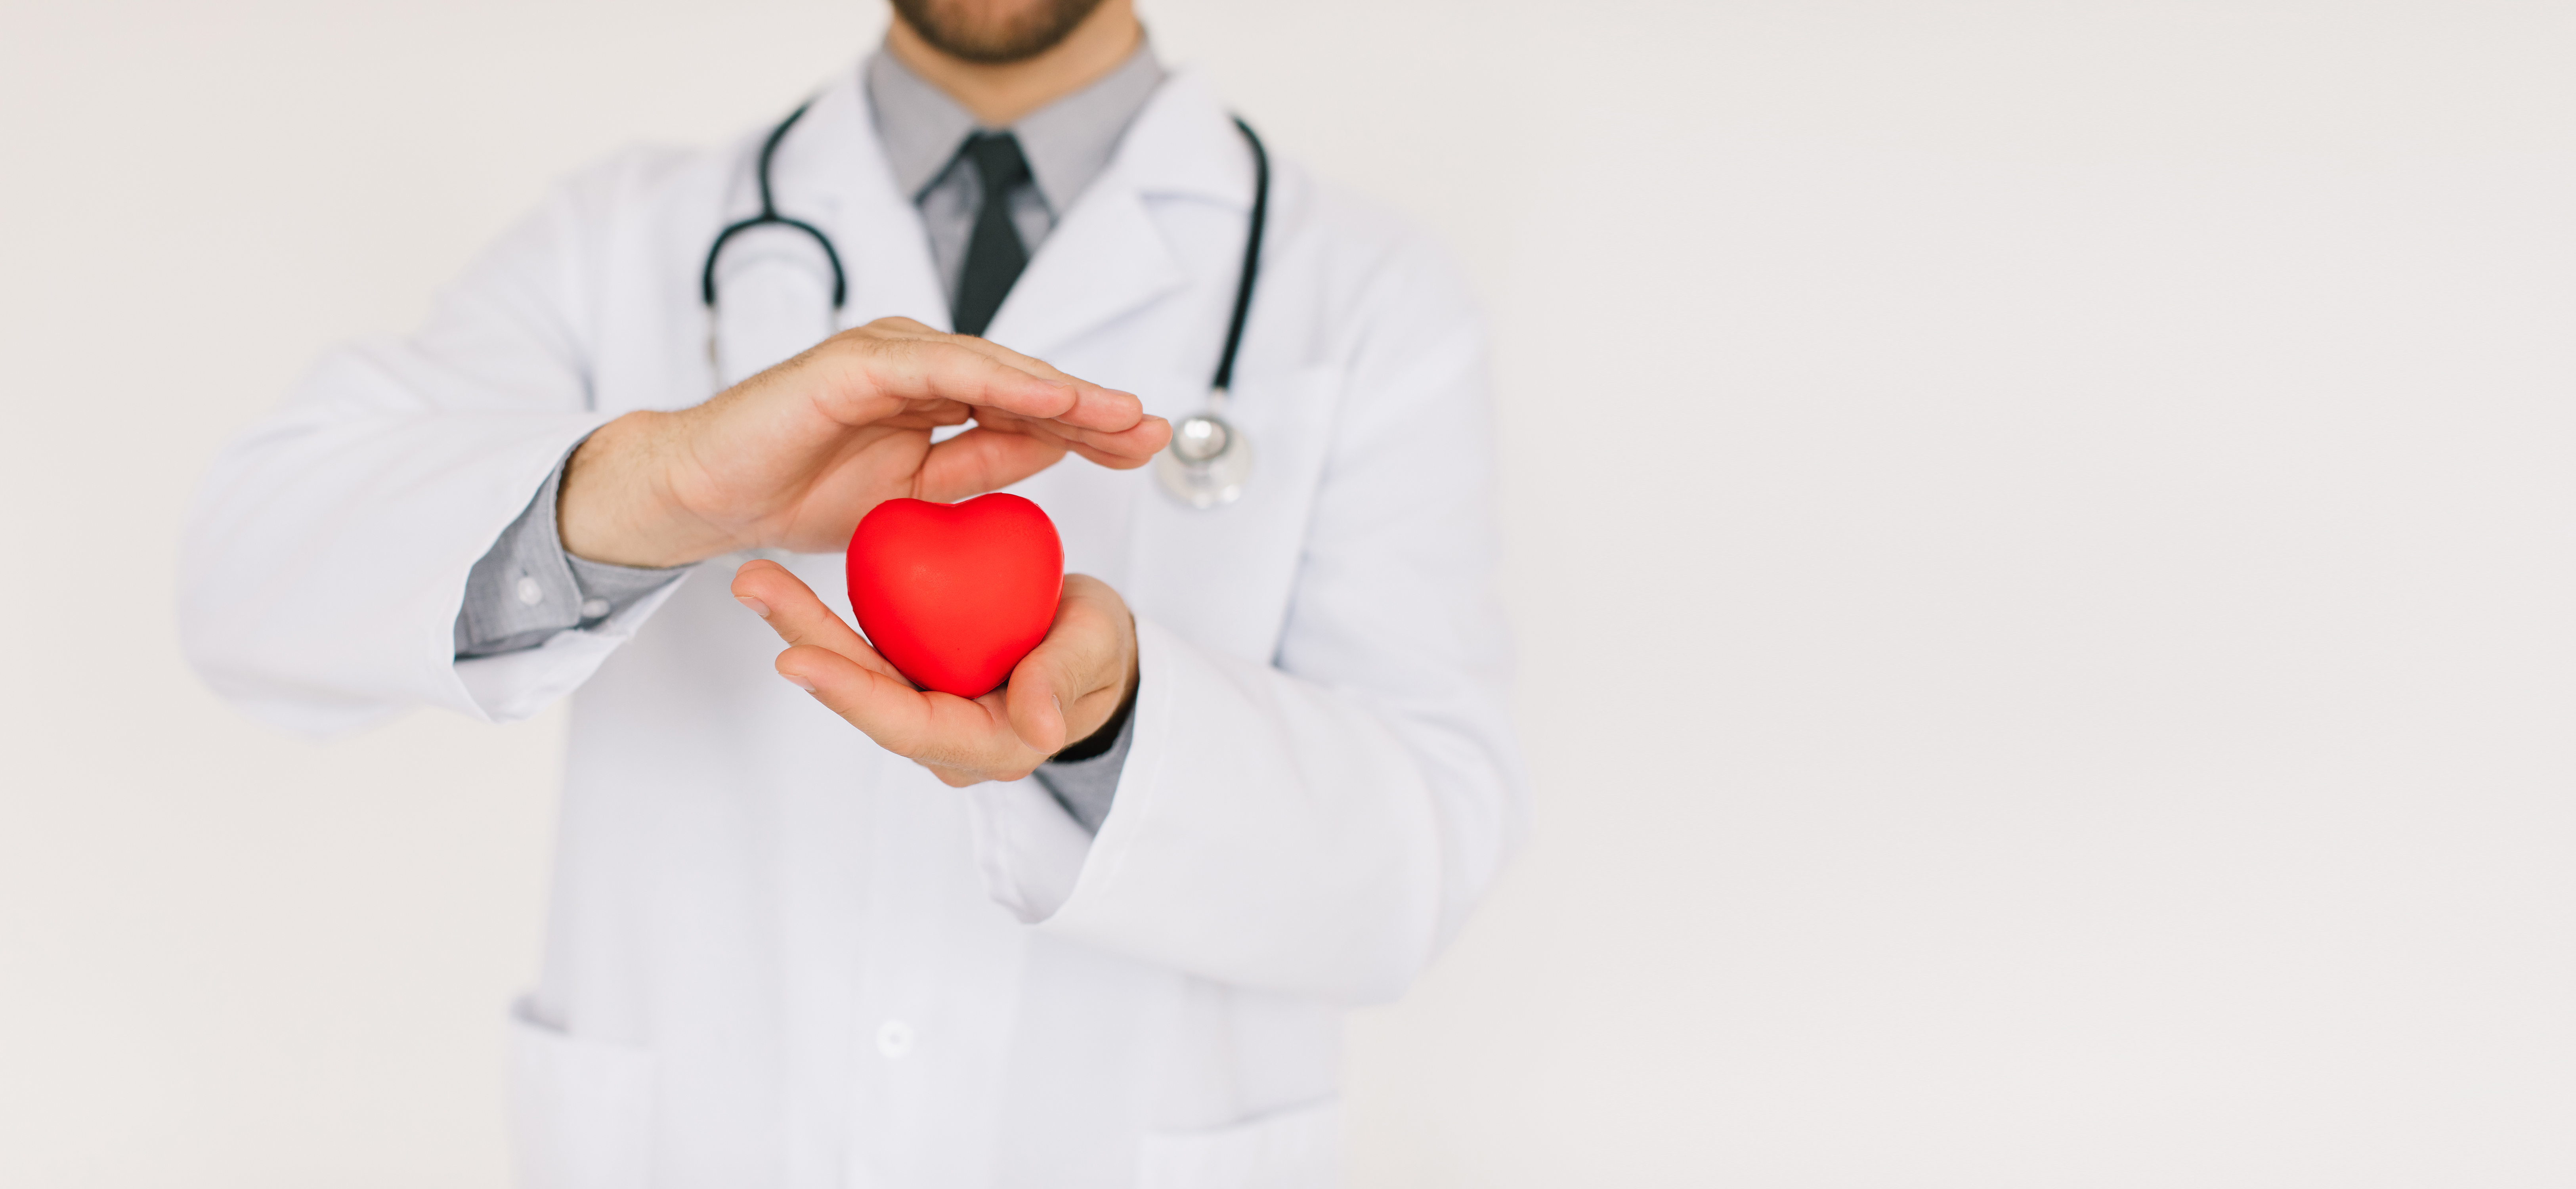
(779, 956)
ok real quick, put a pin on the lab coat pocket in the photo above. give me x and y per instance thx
(581, 1112)
(1299, 1148)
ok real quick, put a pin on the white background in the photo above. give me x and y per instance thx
(2040, 535)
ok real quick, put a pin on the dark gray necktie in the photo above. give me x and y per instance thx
(994, 254)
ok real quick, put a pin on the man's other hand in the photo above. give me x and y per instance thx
(1065, 689)
(794, 456)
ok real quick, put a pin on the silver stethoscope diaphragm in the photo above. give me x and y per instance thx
(1207, 461)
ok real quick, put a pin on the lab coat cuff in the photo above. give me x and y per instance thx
(1267, 833)
(383, 572)
(1028, 849)
(530, 587)
(1088, 788)
(514, 686)
(1162, 661)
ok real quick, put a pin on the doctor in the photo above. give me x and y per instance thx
(811, 927)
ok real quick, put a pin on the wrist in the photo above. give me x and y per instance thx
(615, 504)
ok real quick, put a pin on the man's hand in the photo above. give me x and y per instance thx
(794, 456)
(1065, 689)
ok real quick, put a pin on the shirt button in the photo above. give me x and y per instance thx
(529, 592)
(894, 1039)
(593, 608)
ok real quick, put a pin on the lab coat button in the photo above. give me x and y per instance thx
(593, 608)
(894, 1039)
(529, 592)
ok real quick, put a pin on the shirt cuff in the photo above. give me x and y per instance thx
(526, 588)
(1087, 787)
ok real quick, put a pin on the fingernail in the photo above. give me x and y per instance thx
(798, 682)
(758, 608)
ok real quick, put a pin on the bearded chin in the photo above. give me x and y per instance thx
(960, 29)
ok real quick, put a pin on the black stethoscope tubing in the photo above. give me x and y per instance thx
(769, 217)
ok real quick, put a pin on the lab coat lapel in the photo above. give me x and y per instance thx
(1107, 259)
(1104, 260)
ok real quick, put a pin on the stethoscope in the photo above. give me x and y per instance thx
(1208, 459)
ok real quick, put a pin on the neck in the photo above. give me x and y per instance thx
(1000, 94)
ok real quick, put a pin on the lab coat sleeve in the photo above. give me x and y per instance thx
(326, 554)
(1323, 824)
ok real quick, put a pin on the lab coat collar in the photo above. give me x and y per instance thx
(1107, 257)
(1104, 260)
(1184, 144)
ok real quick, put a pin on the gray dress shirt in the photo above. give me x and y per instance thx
(527, 588)
(1067, 143)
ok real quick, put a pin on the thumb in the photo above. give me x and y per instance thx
(981, 460)
(1035, 698)
(1076, 675)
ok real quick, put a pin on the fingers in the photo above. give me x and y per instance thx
(1127, 450)
(1070, 684)
(963, 741)
(883, 706)
(1123, 450)
(930, 415)
(904, 360)
(981, 460)
(936, 730)
(800, 618)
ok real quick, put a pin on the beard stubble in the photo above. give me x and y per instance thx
(959, 28)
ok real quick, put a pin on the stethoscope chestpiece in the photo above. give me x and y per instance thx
(1207, 461)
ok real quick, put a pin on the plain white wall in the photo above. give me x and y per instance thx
(2041, 536)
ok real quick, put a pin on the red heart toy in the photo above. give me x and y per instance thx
(955, 594)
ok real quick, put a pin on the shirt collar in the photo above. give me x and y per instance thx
(1068, 142)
